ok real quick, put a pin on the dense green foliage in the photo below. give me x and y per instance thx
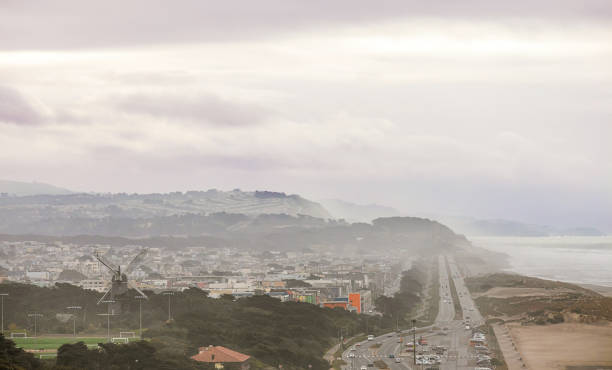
(273, 332)
(292, 334)
(133, 356)
(13, 358)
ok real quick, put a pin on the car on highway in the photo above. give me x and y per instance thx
(391, 355)
(370, 337)
(363, 368)
(397, 359)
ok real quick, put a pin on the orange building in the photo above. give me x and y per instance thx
(335, 304)
(355, 301)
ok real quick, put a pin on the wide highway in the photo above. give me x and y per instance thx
(446, 331)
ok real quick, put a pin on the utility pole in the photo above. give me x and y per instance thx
(74, 318)
(414, 339)
(169, 294)
(3, 295)
(140, 298)
(35, 316)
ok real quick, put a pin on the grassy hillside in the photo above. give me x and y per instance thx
(540, 301)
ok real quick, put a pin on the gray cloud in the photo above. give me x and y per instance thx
(15, 109)
(207, 109)
(69, 24)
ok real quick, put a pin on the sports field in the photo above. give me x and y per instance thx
(53, 343)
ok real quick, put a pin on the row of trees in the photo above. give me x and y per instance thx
(403, 303)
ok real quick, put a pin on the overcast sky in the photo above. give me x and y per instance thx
(493, 109)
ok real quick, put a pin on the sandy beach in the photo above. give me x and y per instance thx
(562, 345)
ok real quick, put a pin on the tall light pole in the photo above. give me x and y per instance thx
(169, 294)
(3, 295)
(108, 314)
(35, 316)
(74, 318)
(140, 298)
(414, 339)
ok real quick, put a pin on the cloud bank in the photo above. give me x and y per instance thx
(488, 109)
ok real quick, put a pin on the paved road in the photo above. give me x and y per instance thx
(470, 311)
(455, 337)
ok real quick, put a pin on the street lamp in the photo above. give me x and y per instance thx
(35, 316)
(169, 294)
(3, 295)
(74, 318)
(140, 298)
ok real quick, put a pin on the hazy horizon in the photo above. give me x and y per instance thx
(490, 110)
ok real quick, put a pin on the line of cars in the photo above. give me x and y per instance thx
(481, 349)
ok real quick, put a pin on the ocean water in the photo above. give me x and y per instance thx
(574, 259)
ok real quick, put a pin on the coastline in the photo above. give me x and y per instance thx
(606, 291)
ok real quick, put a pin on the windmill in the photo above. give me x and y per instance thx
(119, 281)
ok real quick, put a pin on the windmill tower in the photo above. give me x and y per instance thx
(119, 280)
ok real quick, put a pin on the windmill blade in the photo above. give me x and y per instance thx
(131, 285)
(106, 262)
(136, 261)
(105, 294)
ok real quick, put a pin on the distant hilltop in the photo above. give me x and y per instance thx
(352, 212)
(34, 209)
(18, 188)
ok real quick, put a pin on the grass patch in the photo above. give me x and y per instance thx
(433, 298)
(454, 295)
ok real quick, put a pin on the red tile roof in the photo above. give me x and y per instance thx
(219, 354)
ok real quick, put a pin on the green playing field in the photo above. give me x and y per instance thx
(56, 342)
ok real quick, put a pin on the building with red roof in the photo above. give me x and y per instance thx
(220, 355)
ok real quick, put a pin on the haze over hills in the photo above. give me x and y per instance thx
(260, 220)
(38, 207)
(262, 232)
(357, 212)
(19, 188)
(500, 227)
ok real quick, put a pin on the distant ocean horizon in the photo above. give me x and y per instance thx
(573, 259)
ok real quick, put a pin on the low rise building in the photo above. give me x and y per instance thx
(219, 356)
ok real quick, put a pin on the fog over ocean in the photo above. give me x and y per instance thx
(575, 259)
